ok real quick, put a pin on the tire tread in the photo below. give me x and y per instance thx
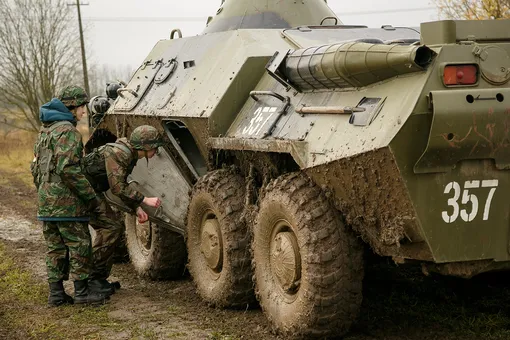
(334, 261)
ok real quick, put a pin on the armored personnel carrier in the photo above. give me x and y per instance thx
(293, 141)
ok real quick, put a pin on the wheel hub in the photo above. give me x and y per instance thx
(144, 235)
(211, 244)
(286, 260)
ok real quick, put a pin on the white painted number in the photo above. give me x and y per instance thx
(468, 200)
(452, 202)
(489, 183)
(466, 197)
(260, 118)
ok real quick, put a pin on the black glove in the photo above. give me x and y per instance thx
(94, 205)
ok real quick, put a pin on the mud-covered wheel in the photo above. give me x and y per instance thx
(308, 268)
(218, 241)
(155, 251)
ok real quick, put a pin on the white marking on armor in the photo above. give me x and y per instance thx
(468, 199)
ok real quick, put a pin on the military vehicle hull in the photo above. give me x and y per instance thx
(288, 148)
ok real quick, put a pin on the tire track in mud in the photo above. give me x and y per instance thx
(25, 238)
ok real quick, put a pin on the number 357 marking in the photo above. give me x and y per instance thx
(260, 118)
(467, 197)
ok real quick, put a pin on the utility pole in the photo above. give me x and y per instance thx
(83, 56)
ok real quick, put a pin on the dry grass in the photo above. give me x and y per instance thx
(16, 154)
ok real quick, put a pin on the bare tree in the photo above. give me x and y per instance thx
(474, 9)
(39, 52)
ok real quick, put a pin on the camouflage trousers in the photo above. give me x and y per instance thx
(109, 228)
(69, 250)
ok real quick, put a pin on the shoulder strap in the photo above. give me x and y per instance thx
(120, 146)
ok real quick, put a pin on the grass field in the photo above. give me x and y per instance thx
(17, 154)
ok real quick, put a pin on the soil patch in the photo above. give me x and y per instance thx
(16, 197)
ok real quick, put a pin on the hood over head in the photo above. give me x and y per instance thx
(54, 111)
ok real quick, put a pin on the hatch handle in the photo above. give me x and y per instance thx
(123, 89)
(175, 30)
(326, 18)
(285, 100)
(254, 95)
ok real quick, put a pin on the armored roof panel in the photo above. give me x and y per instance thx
(306, 36)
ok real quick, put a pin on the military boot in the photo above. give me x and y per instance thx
(83, 295)
(58, 295)
(101, 286)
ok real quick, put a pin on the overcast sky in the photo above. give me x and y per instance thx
(122, 32)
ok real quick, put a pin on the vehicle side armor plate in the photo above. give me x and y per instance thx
(467, 124)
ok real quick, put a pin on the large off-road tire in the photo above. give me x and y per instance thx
(308, 268)
(218, 241)
(155, 251)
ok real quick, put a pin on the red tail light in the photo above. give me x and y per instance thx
(460, 75)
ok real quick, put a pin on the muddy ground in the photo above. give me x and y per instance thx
(399, 302)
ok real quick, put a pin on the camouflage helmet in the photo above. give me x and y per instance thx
(73, 96)
(145, 137)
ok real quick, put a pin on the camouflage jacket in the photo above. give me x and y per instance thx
(66, 195)
(119, 166)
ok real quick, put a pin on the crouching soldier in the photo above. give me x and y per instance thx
(108, 167)
(65, 197)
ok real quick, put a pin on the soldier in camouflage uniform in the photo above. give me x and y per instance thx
(108, 168)
(65, 197)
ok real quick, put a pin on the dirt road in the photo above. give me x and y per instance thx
(141, 309)
(399, 302)
(161, 309)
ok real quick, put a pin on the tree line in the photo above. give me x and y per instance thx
(474, 9)
(39, 54)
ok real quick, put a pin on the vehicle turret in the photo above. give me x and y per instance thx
(256, 14)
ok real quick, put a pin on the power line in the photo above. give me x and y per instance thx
(200, 19)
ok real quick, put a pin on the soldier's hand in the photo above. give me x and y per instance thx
(152, 201)
(142, 215)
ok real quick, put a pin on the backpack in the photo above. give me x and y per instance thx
(94, 167)
(43, 165)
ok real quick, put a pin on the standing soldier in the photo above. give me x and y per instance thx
(65, 197)
(108, 167)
